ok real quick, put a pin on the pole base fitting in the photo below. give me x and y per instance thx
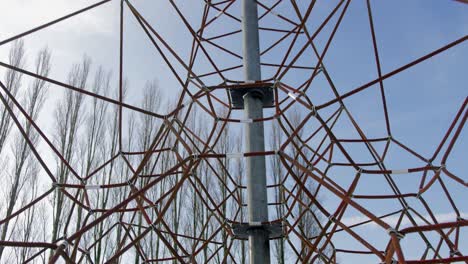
(243, 230)
(237, 92)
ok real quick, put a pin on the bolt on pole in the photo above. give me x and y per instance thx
(259, 246)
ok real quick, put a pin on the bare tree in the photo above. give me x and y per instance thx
(68, 118)
(198, 213)
(25, 170)
(307, 211)
(277, 172)
(125, 173)
(104, 197)
(32, 225)
(224, 145)
(239, 172)
(147, 130)
(12, 82)
(92, 139)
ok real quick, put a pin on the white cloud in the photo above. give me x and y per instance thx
(21, 15)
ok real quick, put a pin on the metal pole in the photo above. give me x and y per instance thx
(259, 246)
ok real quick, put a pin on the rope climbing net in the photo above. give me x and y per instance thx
(334, 190)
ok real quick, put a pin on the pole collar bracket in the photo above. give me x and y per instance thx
(243, 230)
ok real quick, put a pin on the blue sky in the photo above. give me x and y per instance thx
(422, 101)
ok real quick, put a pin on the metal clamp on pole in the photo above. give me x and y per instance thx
(244, 230)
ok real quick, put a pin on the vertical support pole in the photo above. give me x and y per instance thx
(259, 246)
(250, 41)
